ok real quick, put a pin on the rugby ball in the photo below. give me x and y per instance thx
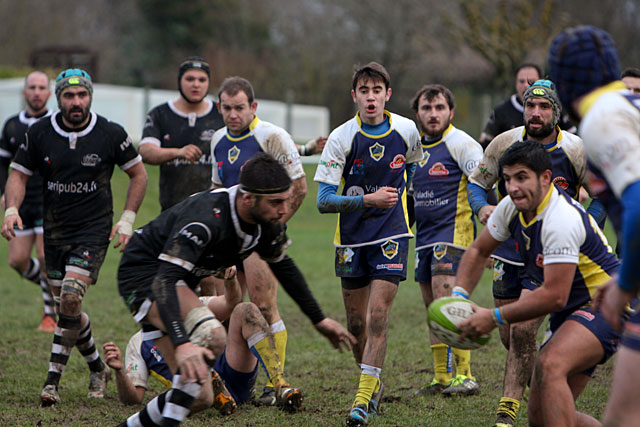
(445, 314)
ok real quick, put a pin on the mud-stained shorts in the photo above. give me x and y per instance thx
(507, 281)
(437, 260)
(81, 258)
(379, 260)
(239, 384)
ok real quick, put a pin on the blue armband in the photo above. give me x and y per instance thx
(329, 202)
(630, 255)
(477, 197)
(411, 169)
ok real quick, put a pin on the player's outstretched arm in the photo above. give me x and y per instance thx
(339, 337)
(473, 261)
(155, 155)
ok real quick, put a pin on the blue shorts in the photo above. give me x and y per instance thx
(388, 258)
(631, 334)
(239, 384)
(598, 326)
(85, 259)
(507, 283)
(437, 260)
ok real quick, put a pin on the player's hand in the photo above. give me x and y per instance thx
(191, 362)
(112, 355)
(123, 239)
(484, 213)
(335, 333)
(611, 301)
(228, 273)
(384, 198)
(8, 225)
(479, 323)
(190, 153)
(321, 141)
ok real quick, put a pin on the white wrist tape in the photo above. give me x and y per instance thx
(125, 225)
(310, 147)
(11, 211)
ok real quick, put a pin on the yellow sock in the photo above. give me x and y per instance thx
(508, 407)
(463, 360)
(263, 347)
(279, 332)
(366, 387)
(442, 363)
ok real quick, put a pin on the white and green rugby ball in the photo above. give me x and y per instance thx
(445, 314)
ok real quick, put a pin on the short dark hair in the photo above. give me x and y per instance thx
(232, 85)
(528, 153)
(630, 72)
(529, 65)
(430, 92)
(373, 71)
(262, 174)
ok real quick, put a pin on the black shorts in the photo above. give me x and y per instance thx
(31, 215)
(81, 258)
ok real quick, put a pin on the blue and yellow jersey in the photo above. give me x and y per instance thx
(561, 232)
(143, 359)
(443, 214)
(230, 152)
(569, 171)
(363, 163)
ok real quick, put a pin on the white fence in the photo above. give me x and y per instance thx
(128, 106)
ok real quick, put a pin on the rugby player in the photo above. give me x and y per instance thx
(177, 135)
(566, 257)
(444, 222)
(584, 63)
(374, 154)
(541, 116)
(508, 115)
(160, 269)
(243, 136)
(75, 151)
(36, 93)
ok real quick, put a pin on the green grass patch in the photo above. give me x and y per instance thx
(329, 378)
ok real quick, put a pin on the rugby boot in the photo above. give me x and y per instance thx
(289, 398)
(434, 387)
(462, 386)
(98, 383)
(374, 403)
(222, 399)
(49, 395)
(48, 324)
(358, 416)
(267, 398)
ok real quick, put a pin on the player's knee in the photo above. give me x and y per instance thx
(523, 337)
(71, 295)
(378, 320)
(248, 312)
(205, 330)
(355, 323)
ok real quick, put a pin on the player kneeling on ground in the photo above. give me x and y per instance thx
(567, 257)
(165, 261)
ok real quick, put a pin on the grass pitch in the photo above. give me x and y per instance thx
(328, 378)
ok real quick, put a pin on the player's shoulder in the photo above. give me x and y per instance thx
(160, 109)
(264, 129)
(12, 121)
(343, 134)
(403, 124)
(219, 134)
(458, 138)
(562, 215)
(503, 141)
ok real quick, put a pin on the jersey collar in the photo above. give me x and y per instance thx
(177, 112)
(442, 138)
(516, 103)
(551, 146)
(248, 241)
(246, 133)
(588, 101)
(541, 207)
(386, 113)
(74, 135)
(29, 120)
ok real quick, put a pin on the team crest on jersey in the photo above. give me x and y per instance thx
(425, 158)
(397, 162)
(439, 251)
(389, 249)
(90, 160)
(345, 255)
(561, 181)
(527, 240)
(498, 270)
(438, 169)
(376, 151)
(355, 190)
(233, 154)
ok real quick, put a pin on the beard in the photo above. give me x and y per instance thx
(37, 105)
(435, 133)
(543, 132)
(75, 119)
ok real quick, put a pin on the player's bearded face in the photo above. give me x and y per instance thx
(75, 103)
(434, 116)
(538, 117)
(270, 209)
(524, 187)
